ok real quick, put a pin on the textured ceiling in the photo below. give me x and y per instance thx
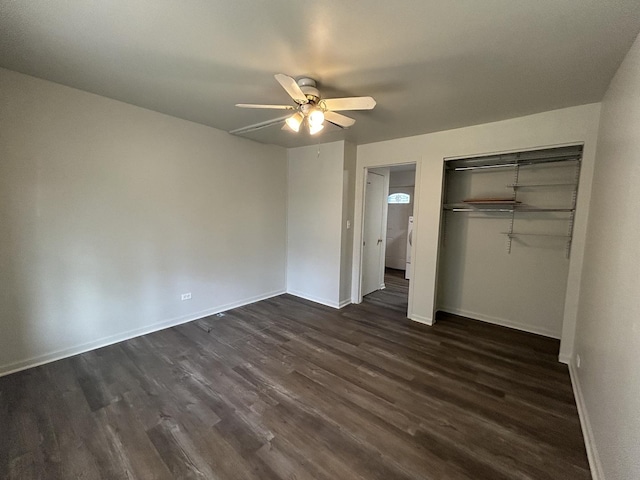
(431, 65)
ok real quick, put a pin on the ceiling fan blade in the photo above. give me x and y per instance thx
(258, 126)
(273, 107)
(338, 119)
(292, 88)
(349, 103)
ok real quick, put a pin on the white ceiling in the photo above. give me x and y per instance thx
(430, 64)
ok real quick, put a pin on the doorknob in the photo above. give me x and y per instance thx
(379, 241)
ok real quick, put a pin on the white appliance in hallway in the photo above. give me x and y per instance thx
(407, 272)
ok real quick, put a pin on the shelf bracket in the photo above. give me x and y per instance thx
(516, 176)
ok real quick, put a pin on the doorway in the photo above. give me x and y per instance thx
(388, 236)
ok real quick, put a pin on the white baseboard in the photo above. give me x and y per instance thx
(344, 303)
(564, 358)
(120, 337)
(313, 298)
(501, 321)
(421, 319)
(592, 453)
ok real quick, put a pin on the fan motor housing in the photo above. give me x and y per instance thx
(308, 87)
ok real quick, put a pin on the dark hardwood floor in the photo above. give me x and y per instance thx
(395, 294)
(288, 389)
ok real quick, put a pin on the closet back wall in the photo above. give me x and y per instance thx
(110, 212)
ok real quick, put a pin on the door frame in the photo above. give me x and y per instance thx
(356, 286)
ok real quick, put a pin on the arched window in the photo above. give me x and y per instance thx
(396, 198)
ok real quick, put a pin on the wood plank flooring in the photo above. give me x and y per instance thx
(395, 295)
(288, 389)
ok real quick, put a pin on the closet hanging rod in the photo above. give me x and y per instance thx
(514, 208)
(492, 210)
(518, 234)
(479, 167)
(518, 162)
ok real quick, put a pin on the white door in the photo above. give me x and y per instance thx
(397, 232)
(372, 253)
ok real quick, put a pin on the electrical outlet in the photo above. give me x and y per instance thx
(185, 296)
(578, 361)
(348, 224)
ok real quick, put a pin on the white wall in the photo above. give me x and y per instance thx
(402, 178)
(314, 230)
(109, 212)
(608, 329)
(565, 126)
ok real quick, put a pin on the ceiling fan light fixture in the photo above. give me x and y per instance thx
(316, 117)
(294, 121)
(310, 108)
(313, 129)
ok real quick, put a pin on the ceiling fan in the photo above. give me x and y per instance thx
(310, 108)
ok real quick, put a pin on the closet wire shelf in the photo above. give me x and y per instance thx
(512, 206)
(462, 207)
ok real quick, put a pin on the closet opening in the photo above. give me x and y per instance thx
(506, 237)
